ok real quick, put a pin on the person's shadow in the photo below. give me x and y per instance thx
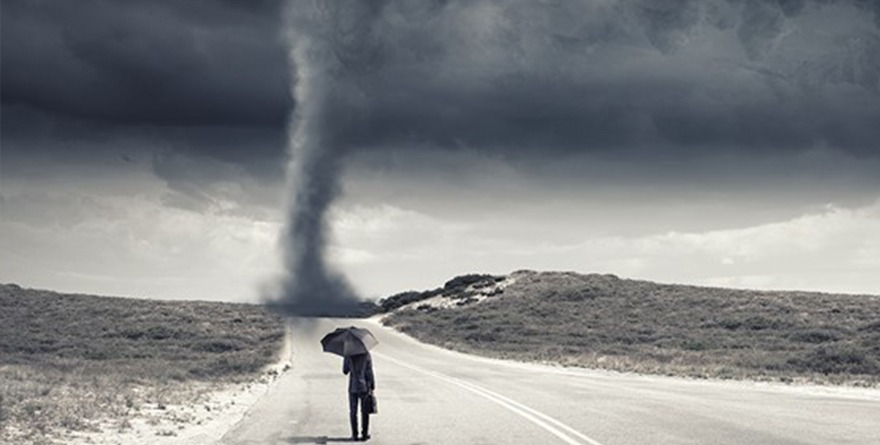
(316, 439)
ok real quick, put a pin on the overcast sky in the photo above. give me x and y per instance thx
(720, 142)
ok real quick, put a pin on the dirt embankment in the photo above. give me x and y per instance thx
(602, 321)
(71, 365)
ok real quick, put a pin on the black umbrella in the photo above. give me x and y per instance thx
(349, 341)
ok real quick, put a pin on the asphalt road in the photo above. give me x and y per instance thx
(428, 395)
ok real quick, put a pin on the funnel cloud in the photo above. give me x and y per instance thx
(329, 48)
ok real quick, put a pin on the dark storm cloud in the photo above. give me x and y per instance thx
(147, 63)
(679, 77)
(203, 84)
(699, 94)
(676, 78)
(209, 185)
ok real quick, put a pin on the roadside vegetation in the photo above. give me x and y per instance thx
(602, 321)
(73, 363)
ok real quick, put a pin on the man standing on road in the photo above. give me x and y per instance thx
(360, 383)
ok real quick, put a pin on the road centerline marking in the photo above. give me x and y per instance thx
(540, 419)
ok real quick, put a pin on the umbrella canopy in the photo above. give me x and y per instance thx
(349, 341)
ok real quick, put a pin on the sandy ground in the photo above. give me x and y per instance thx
(200, 423)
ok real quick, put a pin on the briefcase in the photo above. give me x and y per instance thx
(370, 404)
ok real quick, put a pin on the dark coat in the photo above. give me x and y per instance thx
(360, 373)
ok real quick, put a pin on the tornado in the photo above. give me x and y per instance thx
(330, 47)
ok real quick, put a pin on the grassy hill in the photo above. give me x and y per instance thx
(69, 362)
(602, 321)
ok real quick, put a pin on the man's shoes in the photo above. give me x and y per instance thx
(365, 437)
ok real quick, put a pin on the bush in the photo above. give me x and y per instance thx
(843, 359)
(402, 299)
(460, 283)
(816, 335)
